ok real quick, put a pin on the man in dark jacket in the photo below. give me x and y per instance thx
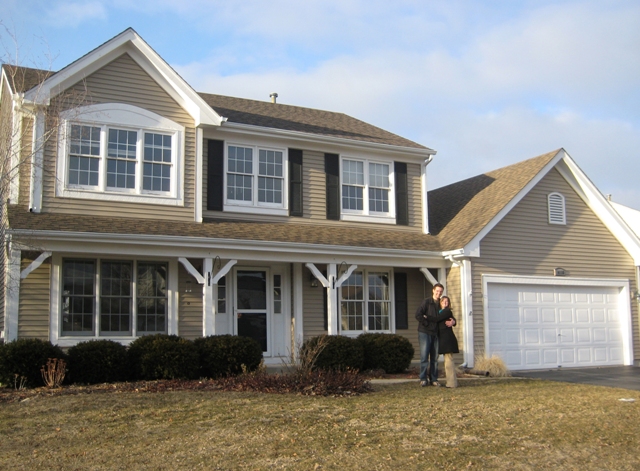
(428, 318)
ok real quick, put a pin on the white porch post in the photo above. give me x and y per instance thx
(332, 300)
(208, 307)
(12, 296)
(298, 327)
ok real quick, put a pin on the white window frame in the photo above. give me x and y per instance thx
(366, 215)
(128, 118)
(55, 332)
(254, 206)
(365, 301)
(556, 208)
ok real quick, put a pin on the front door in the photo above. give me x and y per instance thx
(251, 306)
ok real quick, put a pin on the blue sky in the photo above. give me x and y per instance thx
(486, 84)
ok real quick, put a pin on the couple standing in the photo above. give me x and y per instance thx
(435, 333)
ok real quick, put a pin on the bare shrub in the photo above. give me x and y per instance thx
(53, 372)
(494, 365)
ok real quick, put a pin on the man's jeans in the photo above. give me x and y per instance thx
(428, 356)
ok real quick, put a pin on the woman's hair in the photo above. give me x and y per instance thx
(447, 298)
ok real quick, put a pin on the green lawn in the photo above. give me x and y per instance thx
(484, 424)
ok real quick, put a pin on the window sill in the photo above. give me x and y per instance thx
(256, 210)
(363, 218)
(122, 197)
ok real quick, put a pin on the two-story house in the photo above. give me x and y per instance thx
(140, 206)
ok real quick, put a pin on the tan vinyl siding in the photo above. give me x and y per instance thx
(123, 81)
(415, 195)
(190, 303)
(314, 186)
(313, 311)
(524, 243)
(33, 315)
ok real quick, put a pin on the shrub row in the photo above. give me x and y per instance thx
(147, 358)
(389, 352)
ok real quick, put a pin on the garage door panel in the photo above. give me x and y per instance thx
(536, 326)
(549, 336)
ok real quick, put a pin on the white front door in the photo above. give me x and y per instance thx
(547, 326)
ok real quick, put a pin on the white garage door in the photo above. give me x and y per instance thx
(543, 326)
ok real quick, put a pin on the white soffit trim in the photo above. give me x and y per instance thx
(472, 249)
(177, 246)
(128, 41)
(600, 206)
(629, 215)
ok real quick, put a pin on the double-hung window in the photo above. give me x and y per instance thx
(113, 298)
(255, 178)
(117, 151)
(366, 189)
(365, 304)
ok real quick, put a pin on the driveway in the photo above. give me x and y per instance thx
(625, 377)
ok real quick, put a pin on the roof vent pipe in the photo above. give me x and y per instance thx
(273, 96)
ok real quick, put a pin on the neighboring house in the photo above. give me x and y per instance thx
(144, 207)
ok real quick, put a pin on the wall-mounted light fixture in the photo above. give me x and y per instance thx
(313, 280)
(636, 295)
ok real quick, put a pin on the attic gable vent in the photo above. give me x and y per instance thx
(557, 213)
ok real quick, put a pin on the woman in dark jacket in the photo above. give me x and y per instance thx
(447, 343)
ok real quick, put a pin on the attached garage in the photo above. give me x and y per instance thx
(535, 323)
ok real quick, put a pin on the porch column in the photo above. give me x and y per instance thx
(208, 306)
(467, 310)
(12, 296)
(298, 327)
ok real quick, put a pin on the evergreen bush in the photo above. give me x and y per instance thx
(389, 352)
(225, 355)
(25, 358)
(98, 361)
(162, 356)
(338, 353)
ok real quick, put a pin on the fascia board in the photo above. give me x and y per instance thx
(146, 57)
(600, 206)
(322, 141)
(175, 246)
(472, 248)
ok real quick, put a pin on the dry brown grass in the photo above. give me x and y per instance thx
(493, 364)
(484, 424)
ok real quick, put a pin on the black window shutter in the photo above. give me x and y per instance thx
(401, 302)
(295, 182)
(402, 194)
(215, 177)
(332, 171)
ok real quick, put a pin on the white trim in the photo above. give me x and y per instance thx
(172, 297)
(298, 307)
(196, 247)
(424, 198)
(16, 150)
(129, 117)
(600, 206)
(12, 295)
(192, 270)
(198, 175)
(37, 162)
(624, 301)
(425, 271)
(223, 271)
(365, 214)
(130, 42)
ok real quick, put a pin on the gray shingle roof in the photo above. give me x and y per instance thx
(458, 212)
(307, 120)
(22, 79)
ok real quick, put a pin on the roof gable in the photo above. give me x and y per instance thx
(130, 42)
